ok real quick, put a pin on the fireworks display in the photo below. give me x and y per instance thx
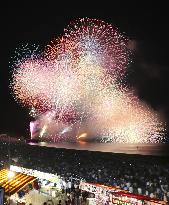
(75, 86)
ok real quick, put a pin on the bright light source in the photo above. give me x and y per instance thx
(11, 174)
(82, 135)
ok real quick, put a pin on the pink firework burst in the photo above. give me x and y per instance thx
(99, 42)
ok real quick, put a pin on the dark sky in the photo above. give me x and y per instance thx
(146, 25)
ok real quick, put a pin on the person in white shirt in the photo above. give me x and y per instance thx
(139, 190)
(69, 184)
(151, 195)
(165, 198)
(63, 185)
(146, 193)
(128, 184)
(131, 189)
(75, 186)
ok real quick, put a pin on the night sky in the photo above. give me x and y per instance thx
(146, 25)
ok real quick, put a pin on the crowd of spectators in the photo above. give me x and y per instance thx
(144, 175)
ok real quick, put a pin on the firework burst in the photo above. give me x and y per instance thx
(95, 41)
(121, 117)
(75, 85)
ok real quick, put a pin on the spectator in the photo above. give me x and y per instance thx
(145, 175)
